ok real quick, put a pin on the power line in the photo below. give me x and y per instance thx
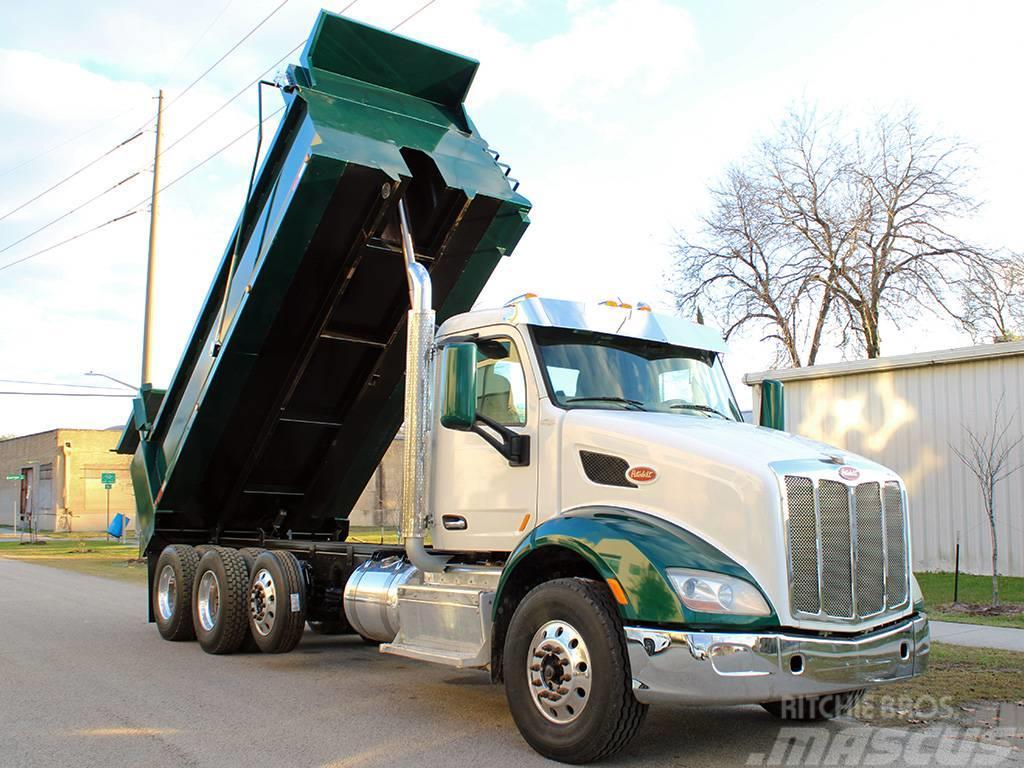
(64, 215)
(68, 240)
(414, 14)
(53, 384)
(67, 394)
(142, 127)
(109, 120)
(67, 141)
(138, 207)
(219, 109)
(180, 139)
(204, 33)
(242, 92)
(72, 175)
(227, 53)
(200, 164)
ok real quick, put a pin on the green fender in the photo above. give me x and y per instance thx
(637, 549)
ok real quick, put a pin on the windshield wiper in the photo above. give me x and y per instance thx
(637, 404)
(701, 408)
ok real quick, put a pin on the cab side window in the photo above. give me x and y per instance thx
(500, 383)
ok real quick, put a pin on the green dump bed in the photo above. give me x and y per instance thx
(290, 388)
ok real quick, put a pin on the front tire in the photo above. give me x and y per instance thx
(566, 669)
(172, 592)
(814, 708)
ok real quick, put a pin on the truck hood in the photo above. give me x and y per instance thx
(718, 479)
(744, 445)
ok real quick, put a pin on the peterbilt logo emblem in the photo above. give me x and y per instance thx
(849, 473)
(641, 475)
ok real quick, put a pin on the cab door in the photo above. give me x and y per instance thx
(479, 501)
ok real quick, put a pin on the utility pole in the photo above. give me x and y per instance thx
(147, 329)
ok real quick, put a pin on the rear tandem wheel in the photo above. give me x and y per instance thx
(172, 592)
(276, 602)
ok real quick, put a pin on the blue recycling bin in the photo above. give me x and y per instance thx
(118, 525)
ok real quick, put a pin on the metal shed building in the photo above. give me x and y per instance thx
(908, 412)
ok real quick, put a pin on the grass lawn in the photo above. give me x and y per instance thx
(87, 553)
(956, 678)
(8, 532)
(96, 558)
(974, 590)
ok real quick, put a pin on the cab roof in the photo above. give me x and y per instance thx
(599, 318)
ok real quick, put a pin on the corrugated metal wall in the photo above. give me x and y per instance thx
(908, 419)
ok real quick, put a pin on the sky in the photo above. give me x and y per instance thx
(616, 115)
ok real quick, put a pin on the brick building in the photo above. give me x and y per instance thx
(63, 485)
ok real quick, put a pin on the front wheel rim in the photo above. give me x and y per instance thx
(209, 601)
(263, 602)
(166, 594)
(558, 672)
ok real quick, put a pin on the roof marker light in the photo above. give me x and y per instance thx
(521, 297)
(623, 305)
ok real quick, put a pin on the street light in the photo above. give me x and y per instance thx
(111, 378)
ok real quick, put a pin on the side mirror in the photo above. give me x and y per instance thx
(773, 406)
(458, 386)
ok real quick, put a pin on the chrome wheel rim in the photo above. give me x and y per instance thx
(209, 601)
(165, 594)
(558, 671)
(263, 602)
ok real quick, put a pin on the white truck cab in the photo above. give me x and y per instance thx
(563, 374)
(794, 572)
(627, 408)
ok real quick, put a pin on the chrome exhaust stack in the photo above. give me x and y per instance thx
(418, 399)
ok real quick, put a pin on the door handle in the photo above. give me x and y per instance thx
(454, 522)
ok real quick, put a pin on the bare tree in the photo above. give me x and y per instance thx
(988, 457)
(744, 278)
(817, 236)
(993, 299)
(779, 230)
(907, 256)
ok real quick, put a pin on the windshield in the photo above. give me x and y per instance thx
(596, 370)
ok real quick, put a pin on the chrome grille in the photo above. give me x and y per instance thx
(803, 544)
(896, 552)
(870, 550)
(836, 549)
(847, 548)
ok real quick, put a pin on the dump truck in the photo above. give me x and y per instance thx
(584, 512)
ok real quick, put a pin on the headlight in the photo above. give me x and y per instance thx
(716, 593)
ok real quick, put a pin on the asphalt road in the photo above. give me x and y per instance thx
(85, 681)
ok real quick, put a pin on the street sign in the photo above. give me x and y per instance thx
(108, 486)
(15, 477)
(108, 479)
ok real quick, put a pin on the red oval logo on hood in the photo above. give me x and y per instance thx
(642, 475)
(849, 473)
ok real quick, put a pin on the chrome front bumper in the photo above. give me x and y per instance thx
(740, 668)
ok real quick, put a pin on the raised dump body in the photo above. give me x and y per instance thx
(290, 388)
